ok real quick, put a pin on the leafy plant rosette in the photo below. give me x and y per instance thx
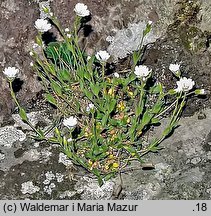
(102, 119)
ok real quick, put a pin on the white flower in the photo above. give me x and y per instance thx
(142, 71)
(31, 53)
(116, 75)
(67, 30)
(81, 10)
(102, 55)
(51, 14)
(69, 140)
(70, 122)
(149, 22)
(69, 35)
(88, 58)
(31, 64)
(174, 67)
(184, 84)
(89, 107)
(11, 72)
(42, 25)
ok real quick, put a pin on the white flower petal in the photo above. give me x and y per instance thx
(89, 107)
(67, 30)
(102, 55)
(70, 122)
(42, 25)
(184, 84)
(116, 75)
(142, 71)
(81, 10)
(11, 72)
(69, 140)
(174, 67)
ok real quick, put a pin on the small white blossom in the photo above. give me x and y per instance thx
(42, 25)
(69, 140)
(89, 107)
(202, 92)
(70, 122)
(116, 75)
(174, 67)
(184, 84)
(142, 71)
(69, 35)
(81, 10)
(67, 30)
(31, 64)
(88, 58)
(11, 72)
(102, 55)
(31, 53)
(51, 14)
(35, 45)
(149, 22)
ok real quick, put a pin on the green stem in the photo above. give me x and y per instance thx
(174, 119)
(103, 70)
(19, 107)
(140, 104)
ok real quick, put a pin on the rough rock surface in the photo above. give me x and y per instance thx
(36, 170)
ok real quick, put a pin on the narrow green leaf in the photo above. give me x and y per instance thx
(130, 149)
(155, 121)
(111, 105)
(157, 107)
(99, 177)
(56, 87)
(50, 99)
(135, 57)
(172, 92)
(23, 115)
(88, 94)
(156, 89)
(87, 75)
(109, 176)
(104, 119)
(146, 118)
(147, 30)
(95, 89)
(64, 74)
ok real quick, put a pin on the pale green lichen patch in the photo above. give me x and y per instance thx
(29, 188)
(9, 135)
